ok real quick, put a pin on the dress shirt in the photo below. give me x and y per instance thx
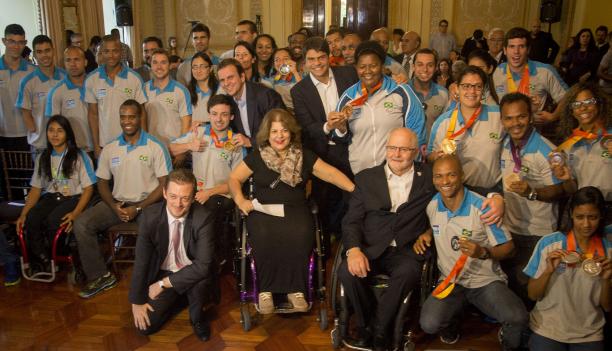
(242, 106)
(169, 263)
(328, 94)
(399, 189)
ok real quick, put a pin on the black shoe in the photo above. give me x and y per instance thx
(202, 330)
(99, 285)
(362, 339)
(380, 342)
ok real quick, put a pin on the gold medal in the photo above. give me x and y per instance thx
(509, 179)
(229, 146)
(347, 110)
(591, 267)
(448, 146)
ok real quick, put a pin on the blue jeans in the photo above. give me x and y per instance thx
(6, 255)
(495, 300)
(541, 343)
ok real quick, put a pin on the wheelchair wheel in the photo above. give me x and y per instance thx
(336, 338)
(409, 346)
(245, 317)
(323, 319)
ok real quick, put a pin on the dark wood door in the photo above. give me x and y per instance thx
(363, 16)
(313, 16)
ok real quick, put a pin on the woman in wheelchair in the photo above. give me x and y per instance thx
(281, 243)
(569, 277)
(62, 185)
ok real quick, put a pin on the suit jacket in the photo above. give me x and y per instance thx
(152, 249)
(370, 225)
(543, 48)
(309, 110)
(260, 100)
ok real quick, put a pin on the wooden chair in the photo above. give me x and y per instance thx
(18, 168)
(122, 240)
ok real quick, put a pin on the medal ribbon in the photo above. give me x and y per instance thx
(279, 76)
(364, 94)
(215, 138)
(453, 122)
(595, 245)
(445, 288)
(516, 151)
(336, 60)
(577, 135)
(523, 85)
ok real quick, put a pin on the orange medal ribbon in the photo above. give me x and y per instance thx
(364, 94)
(336, 60)
(216, 140)
(577, 135)
(453, 122)
(445, 288)
(595, 245)
(523, 85)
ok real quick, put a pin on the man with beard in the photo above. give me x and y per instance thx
(333, 37)
(149, 44)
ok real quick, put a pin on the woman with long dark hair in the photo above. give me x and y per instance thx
(265, 46)
(581, 59)
(202, 86)
(62, 185)
(284, 75)
(245, 54)
(570, 280)
(483, 60)
(443, 74)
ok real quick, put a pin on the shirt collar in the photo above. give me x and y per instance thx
(202, 93)
(57, 74)
(142, 140)
(122, 73)
(23, 64)
(171, 218)
(167, 89)
(433, 90)
(242, 99)
(463, 209)
(317, 82)
(390, 175)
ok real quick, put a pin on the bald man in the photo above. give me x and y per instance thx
(350, 42)
(543, 47)
(411, 42)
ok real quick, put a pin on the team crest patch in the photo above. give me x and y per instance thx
(606, 154)
(500, 89)
(388, 104)
(494, 136)
(128, 91)
(466, 233)
(524, 169)
(455, 243)
(143, 158)
(169, 100)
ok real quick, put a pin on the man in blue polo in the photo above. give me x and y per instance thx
(33, 91)
(138, 164)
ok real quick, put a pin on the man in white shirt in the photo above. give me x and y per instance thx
(442, 41)
(245, 31)
(495, 42)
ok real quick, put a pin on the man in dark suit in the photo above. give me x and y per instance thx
(174, 258)
(253, 100)
(543, 47)
(386, 215)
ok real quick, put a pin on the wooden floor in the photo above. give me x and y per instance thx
(38, 316)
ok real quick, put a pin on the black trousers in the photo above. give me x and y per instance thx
(44, 219)
(170, 302)
(404, 273)
(222, 207)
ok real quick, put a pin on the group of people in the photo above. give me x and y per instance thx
(401, 160)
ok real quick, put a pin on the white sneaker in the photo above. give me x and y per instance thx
(298, 301)
(266, 303)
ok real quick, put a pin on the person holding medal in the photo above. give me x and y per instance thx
(284, 75)
(62, 185)
(530, 189)
(282, 241)
(473, 131)
(585, 157)
(468, 255)
(569, 278)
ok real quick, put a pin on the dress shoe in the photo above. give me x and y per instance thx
(361, 340)
(202, 330)
(380, 342)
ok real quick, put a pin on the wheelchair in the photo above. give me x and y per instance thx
(245, 270)
(402, 338)
(61, 242)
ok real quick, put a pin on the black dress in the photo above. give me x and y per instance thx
(281, 245)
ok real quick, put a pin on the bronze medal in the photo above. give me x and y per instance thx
(448, 146)
(347, 110)
(591, 267)
(557, 158)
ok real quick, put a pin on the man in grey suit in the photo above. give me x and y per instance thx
(174, 258)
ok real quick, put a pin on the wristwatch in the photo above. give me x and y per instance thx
(486, 255)
(161, 284)
(533, 195)
(138, 209)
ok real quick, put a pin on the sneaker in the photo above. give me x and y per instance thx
(449, 336)
(298, 302)
(103, 283)
(12, 274)
(266, 303)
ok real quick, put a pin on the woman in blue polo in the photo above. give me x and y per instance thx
(62, 186)
(202, 86)
(570, 280)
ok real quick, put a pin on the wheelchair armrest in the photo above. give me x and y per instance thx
(314, 209)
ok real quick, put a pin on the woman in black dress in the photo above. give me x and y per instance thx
(281, 245)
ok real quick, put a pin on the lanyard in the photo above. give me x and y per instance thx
(364, 94)
(453, 122)
(59, 166)
(595, 245)
(515, 150)
(215, 138)
(523, 85)
(577, 135)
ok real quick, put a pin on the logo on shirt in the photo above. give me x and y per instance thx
(70, 104)
(437, 108)
(466, 233)
(606, 154)
(500, 89)
(436, 229)
(494, 136)
(455, 243)
(524, 169)
(169, 100)
(128, 91)
(115, 161)
(101, 93)
(41, 95)
(388, 104)
(143, 158)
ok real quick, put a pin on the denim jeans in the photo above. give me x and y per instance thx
(540, 343)
(494, 299)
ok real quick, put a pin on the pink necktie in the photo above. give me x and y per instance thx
(176, 242)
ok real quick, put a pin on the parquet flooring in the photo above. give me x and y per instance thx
(38, 316)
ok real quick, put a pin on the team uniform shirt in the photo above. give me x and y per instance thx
(67, 99)
(478, 148)
(183, 73)
(435, 102)
(543, 78)
(11, 120)
(448, 227)
(283, 88)
(82, 175)
(523, 216)
(134, 168)
(109, 95)
(570, 311)
(212, 166)
(390, 107)
(166, 108)
(591, 164)
(200, 111)
(33, 91)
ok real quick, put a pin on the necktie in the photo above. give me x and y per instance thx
(407, 64)
(176, 242)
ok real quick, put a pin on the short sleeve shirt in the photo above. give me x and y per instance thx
(448, 227)
(212, 166)
(67, 99)
(11, 120)
(183, 74)
(134, 168)
(435, 102)
(33, 91)
(166, 108)
(591, 164)
(570, 311)
(82, 175)
(109, 95)
(523, 216)
(200, 110)
(478, 148)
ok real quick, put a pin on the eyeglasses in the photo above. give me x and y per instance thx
(467, 86)
(200, 67)
(12, 42)
(588, 102)
(401, 149)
